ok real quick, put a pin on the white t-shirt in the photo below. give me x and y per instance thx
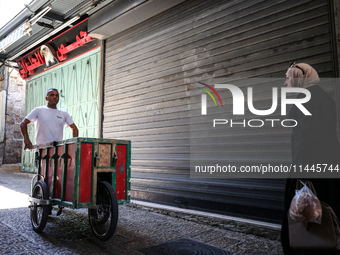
(49, 123)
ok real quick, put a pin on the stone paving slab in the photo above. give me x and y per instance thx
(13, 243)
(138, 228)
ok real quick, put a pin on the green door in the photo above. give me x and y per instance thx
(78, 85)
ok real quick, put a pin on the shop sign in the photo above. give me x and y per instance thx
(47, 56)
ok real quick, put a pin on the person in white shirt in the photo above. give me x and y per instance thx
(49, 121)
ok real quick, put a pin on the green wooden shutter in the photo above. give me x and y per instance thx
(78, 85)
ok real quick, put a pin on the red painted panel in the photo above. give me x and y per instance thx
(85, 172)
(121, 172)
(50, 169)
(59, 173)
(71, 149)
(42, 162)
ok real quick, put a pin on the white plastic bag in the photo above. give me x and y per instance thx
(305, 206)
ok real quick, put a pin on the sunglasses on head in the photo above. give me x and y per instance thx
(294, 65)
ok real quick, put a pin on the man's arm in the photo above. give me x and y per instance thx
(23, 129)
(74, 130)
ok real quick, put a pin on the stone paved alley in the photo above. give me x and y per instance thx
(139, 227)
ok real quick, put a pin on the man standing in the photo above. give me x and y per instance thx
(49, 121)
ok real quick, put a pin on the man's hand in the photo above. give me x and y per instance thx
(27, 143)
(74, 130)
(23, 128)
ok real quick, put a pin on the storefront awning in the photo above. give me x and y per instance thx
(39, 21)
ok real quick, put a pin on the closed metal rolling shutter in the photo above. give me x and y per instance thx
(148, 71)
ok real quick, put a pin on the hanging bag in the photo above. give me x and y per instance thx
(313, 235)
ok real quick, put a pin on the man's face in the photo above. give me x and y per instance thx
(52, 97)
(289, 78)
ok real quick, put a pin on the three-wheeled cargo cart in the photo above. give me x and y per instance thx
(78, 173)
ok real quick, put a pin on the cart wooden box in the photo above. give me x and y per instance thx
(72, 170)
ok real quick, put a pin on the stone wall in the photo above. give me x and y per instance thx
(15, 113)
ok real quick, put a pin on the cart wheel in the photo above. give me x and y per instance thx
(39, 213)
(104, 218)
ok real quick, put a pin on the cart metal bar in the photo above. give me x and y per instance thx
(39, 201)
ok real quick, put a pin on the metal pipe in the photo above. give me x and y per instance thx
(101, 89)
(3, 115)
(45, 37)
(6, 82)
(5, 105)
(40, 15)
